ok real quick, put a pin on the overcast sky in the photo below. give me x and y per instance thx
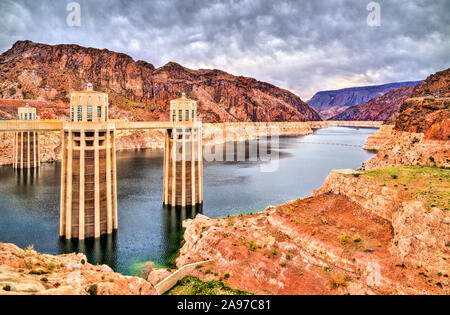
(303, 46)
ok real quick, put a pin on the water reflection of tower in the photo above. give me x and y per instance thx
(173, 218)
(102, 250)
(27, 177)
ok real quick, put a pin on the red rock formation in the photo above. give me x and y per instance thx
(428, 110)
(436, 85)
(38, 71)
(378, 109)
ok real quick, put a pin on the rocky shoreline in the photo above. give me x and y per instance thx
(27, 272)
(396, 147)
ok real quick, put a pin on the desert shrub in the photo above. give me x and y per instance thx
(93, 289)
(344, 239)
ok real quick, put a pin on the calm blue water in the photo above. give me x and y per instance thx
(29, 202)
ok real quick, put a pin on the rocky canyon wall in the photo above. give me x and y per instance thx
(137, 89)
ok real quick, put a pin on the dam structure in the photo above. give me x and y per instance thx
(88, 206)
(26, 143)
(183, 159)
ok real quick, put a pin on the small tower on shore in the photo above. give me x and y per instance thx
(183, 159)
(26, 143)
(88, 177)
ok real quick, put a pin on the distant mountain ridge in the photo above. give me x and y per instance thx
(380, 108)
(138, 90)
(331, 103)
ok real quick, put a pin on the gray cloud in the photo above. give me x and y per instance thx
(303, 46)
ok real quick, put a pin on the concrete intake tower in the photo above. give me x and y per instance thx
(88, 176)
(183, 159)
(26, 143)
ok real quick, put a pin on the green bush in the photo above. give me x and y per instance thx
(194, 286)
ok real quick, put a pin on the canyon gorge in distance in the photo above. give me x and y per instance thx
(323, 160)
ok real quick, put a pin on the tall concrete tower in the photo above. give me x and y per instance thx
(26, 143)
(88, 177)
(183, 159)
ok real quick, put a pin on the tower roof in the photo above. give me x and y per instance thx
(183, 99)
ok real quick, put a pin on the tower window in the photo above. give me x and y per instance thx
(80, 113)
(180, 115)
(187, 115)
(99, 111)
(89, 113)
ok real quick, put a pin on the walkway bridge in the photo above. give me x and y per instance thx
(46, 126)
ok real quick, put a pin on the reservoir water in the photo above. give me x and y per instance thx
(29, 202)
